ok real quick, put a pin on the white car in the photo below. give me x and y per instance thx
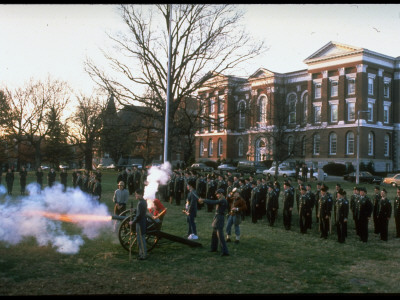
(282, 171)
(227, 167)
(112, 166)
(315, 175)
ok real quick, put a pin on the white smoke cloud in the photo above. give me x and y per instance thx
(156, 175)
(23, 217)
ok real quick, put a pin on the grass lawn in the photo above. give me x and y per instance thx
(268, 260)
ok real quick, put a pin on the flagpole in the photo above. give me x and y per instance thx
(168, 85)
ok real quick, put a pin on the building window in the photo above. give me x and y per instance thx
(260, 150)
(292, 108)
(351, 86)
(370, 86)
(317, 114)
(210, 147)
(290, 145)
(262, 117)
(334, 88)
(221, 104)
(220, 147)
(370, 112)
(240, 147)
(370, 144)
(305, 107)
(242, 115)
(332, 143)
(334, 112)
(203, 125)
(386, 114)
(317, 88)
(386, 89)
(212, 106)
(221, 121)
(386, 145)
(316, 144)
(350, 143)
(203, 107)
(211, 125)
(351, 111)
(201, 148)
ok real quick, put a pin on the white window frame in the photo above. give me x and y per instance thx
(316, 144)
(370, 143)
(386, 89)
(350, 143)
(262, 103)
(351, 85)
(317, 90)
(317, 108)
(386, 113)
(370, 109)
(334, 107)
(386, 145)
(210, 147)
(221, 121)
(334, 88)
(351, 111)
(370, 85)
(242, 114)
(332, 143)
(291, 102)
(220, 147)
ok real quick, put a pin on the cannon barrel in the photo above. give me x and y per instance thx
(121, 218)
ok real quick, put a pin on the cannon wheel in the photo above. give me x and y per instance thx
(127, 240)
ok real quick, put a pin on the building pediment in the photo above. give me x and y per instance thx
(261, 73)
(331, 50)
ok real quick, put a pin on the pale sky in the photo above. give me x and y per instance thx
(41, 40)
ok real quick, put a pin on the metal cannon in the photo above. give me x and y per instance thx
(127, 233)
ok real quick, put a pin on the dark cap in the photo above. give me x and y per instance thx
(324, 189)
(319, 183)
(384, 190)
(341, 192)
(219, 191)
(139, 192)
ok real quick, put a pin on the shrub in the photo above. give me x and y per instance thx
(335, 169)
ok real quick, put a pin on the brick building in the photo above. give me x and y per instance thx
(343, 91)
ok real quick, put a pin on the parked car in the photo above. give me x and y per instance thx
(227, 167)
(251, 167)
(364, 176)
(201, 167)
(282, 171)
(63, 167)
(392, 180)
(45, 167)
(139, 166)
(112, 166)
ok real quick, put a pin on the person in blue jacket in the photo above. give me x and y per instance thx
(140, 224)
(218, 222)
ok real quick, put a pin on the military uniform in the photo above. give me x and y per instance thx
(341, 216)
(396, 213)
(383, 215)
(272, 205)
(304, 211)
(254, 202)
(364, 209)
(288, 201)
(324, 214)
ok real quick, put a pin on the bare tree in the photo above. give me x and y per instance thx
(206, 40)
(29, 107)
(87, 125)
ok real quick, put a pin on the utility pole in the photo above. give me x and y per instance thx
(168, 85)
